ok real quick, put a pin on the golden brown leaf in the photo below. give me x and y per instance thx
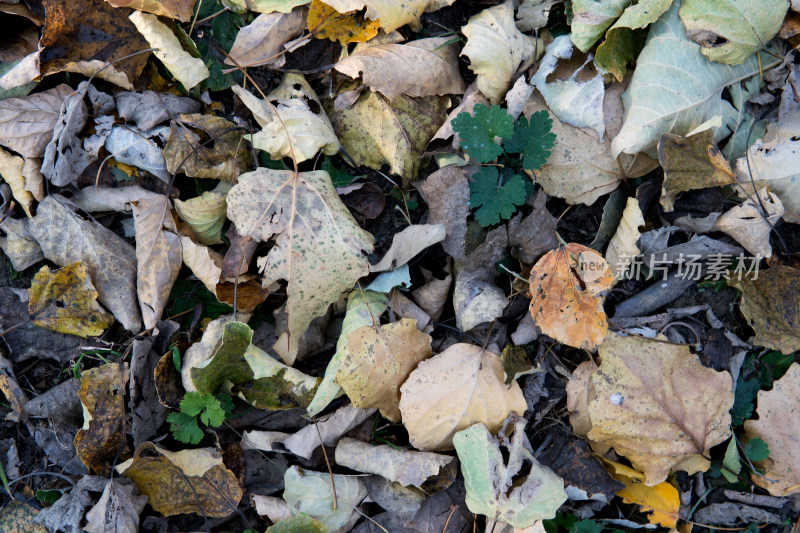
(453, 390)
(65, 300)
(391, 13)
(661, 502)
(746, 223)
(324, 22)
(567, 287)
(188, 481)
(103, 398)
(657, 405)
(778, 420)
(176, 9)
(378, 360)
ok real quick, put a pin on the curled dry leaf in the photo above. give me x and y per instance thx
(658, 406)
(497, 49)
(622, 247)
(378, 360)
(407, 467)
(568, 286)
(102, 396)
(778, 419)
(391, 14)
(453, 390)
(176, 9)
(139, 148)
(148, 109)
(29, 137)
(747, 224)
(311, 493)
(12, 171)
(408, 243)
(205, 214)
(318, 249)
(158, 255)
(188, 481)
(261, 42)
(117, 510)
(421, 68)
(19, 246)
(64, 300)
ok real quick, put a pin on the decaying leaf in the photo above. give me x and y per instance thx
(730, 31)
(117, 510)
(158, 255)
(138, 148)
(497, 49)
(778, 418)
(301, 523)
(661, 502)
(111, 261)
(148, 109)
(489, 478)
(318, 249)
(17, 517)
(103, 432)
(264, 6)
(64, 300)
(12, 171)
(19, 246)
(533, 14)
(222, 155)
(657, 405)
(40, 111)
(261, 42)
(188, 481)
(67, 513)
(324, 22)
(675, 88)
(407, 467)
(311, 493)
(375, 131)
(591, 19)
(476, 298)
(453, 390)
(408, 243)
(446, 192)
(771, 305)
(378, 360)
(747, 224)
(622, 247)
(691, 163)
(187, 69)
(249, 372)
(176, 9)
(567, 287)
(424, 67)
(391, 14)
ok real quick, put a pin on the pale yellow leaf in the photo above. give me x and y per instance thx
(392, 14)
(622, 248)
(746, 223)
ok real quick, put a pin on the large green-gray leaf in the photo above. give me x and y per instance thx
(675, 88)
(363, 309)
(730, 31)
(311, 493)
(591, 19)
(491, 490)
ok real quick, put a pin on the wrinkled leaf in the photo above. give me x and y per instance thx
(392, 14)
(29, 137)
(117, 510)
(324, 22)
(310, 492)
(222, 155)
(746, 223)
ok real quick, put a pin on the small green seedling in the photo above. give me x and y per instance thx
(184, 424)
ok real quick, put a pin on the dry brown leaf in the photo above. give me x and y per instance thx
(476, 298)
(534, 235)
(408, 243)
(158, 255)
(176, 9)
(26, 124)
(622, 247)
(778, 420)
(19, 246)
(691, 163)
(188, 481)
(747, 224)
(424, 67)
(658, 406)
(392, 14)
(261, 42)
(446, 192)
(117, 510)
(432, 296)
(205, 263)
(771, 305)
(378, 360)
(568, 286)
(102, 395)
(64, 300)
(12, 170)
(319, 246)
(580, 392)
(453, 390)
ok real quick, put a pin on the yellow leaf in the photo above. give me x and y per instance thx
(65, 300)
(12, 172)
(662, 501)
(324, 22)
(622, 247)
(567, 287)
(391, 13)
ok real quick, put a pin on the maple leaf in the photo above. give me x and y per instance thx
(495, 200)
(533, 140)
(477, 133)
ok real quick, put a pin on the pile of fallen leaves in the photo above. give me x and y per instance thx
(419, 266)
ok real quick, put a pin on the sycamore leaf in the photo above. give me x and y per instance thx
(158, 255)
(730, 31)
(658, 406)
(260, 43)
(311, 493)
(187, 69)
(26, 124)
(746, 223)
(533, 140)
(489, 478)
(778, 419)
(771, 305)
(453, 390)
(424, 67)
(205, 214)
(496, 49)
(375, 131)
(494, 199)
(479, 131)
(363, 309)
(102, 397)
(390, 13)
(378, 360)
(65, 300)
(319, 246)
(591, 18)
(324, 22)
(675, 88)
(568, 286)
(188, 481)
(661, 502)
